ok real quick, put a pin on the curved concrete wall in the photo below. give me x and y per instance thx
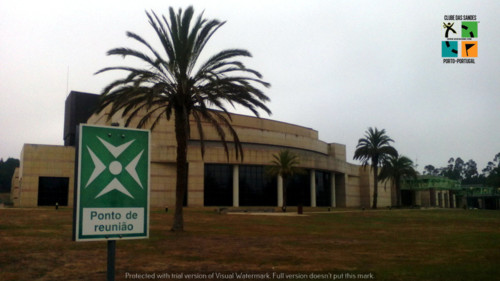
(261, 139)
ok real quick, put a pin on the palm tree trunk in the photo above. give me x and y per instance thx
(181, 133)
(284, 194)
(375, 186)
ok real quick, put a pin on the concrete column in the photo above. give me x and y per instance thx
(236, 186)
(418, 198)
(312, 177)
(341, 182)
(454, 201)
(280, 191)
(333, 203)
(195, 185)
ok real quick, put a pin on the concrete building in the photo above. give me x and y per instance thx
(480, 197)
(46, 173)
(431, 191)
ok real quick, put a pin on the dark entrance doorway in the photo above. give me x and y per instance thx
(52, 190)
(406, 197)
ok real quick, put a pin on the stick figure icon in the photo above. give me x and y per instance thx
(448, 27)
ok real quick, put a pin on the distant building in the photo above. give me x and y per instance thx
(78, 108)
(431, 191)
(481, 197)
(46, 172)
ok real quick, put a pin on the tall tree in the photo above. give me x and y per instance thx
(6, 172)
(174, 83)
(431, 170)
(470, 174)
(395, 168)
(492, 172)
(284, 164)
(455, 169)
(489, 168)
(373, 149)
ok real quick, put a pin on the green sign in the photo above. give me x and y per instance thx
(112, 194)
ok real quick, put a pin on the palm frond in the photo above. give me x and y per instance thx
(169, 81)
(285, 164)
(374, 147)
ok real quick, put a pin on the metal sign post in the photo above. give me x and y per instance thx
(112, 186)
(111, 260)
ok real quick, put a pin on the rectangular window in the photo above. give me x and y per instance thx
(298, 189)
(256, 187)
(323, 189)
(218, 189)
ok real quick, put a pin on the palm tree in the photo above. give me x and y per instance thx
(395, 168)
(175, 83)
(285, 164)
(375, 147)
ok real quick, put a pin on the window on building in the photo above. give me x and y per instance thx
(218, 190)
(299, 190)
(256, 188)
(323, 189)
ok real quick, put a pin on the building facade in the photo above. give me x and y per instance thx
(431, 191)
(46, 173)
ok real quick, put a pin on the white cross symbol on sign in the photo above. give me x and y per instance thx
(115, 168)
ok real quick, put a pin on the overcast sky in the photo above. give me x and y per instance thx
(338, 67)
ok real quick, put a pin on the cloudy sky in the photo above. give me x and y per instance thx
(338, 67)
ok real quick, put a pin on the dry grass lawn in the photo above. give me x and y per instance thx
(388, 244)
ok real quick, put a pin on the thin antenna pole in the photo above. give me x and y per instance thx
(67, 81)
